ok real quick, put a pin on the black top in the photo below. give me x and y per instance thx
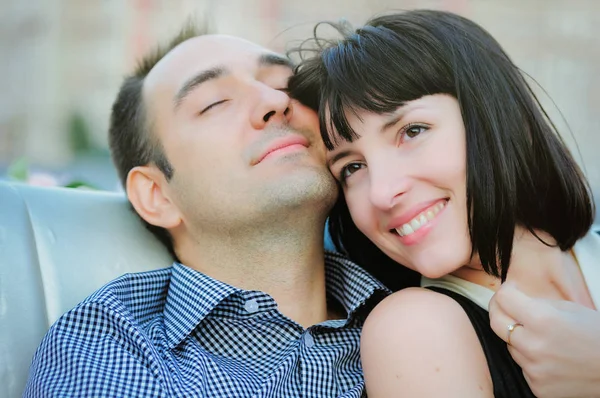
(507, 376)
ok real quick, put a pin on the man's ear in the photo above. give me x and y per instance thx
(147, 191)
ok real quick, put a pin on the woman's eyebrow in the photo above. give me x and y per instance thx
(400, 113)
(338, 156)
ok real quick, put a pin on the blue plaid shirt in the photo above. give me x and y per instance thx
(178, 332)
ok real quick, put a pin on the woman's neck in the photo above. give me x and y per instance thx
(538, 269)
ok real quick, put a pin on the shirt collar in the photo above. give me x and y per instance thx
(350, 284)
(193, 295)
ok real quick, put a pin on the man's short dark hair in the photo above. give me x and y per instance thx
(519, 171)
(131, 139)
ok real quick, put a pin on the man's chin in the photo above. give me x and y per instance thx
(309, 187)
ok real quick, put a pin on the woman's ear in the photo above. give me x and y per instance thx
(147, 191)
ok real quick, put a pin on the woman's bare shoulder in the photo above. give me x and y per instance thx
(418, 342)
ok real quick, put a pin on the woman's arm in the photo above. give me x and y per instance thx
(419, 343)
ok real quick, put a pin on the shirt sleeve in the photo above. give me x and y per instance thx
(94, 350)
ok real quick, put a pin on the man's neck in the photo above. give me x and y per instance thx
(287, 264)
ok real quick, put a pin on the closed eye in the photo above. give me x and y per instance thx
(212, 106)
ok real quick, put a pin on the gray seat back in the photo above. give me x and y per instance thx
(57, 246)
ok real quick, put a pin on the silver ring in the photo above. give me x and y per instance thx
(510, 329)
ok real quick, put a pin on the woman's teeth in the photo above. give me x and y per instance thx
(421, 219)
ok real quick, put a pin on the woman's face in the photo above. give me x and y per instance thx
(404, 180)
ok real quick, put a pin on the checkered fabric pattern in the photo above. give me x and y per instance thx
(179, 333)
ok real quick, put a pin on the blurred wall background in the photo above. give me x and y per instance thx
(61, 62)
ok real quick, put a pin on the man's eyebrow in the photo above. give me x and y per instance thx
(193, 82)
(270, 59)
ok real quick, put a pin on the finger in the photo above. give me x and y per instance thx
(518, 356)
(532, 385)
(500, 322)
(498, 318)
(527, 365)
(514, 303)
(514, 336)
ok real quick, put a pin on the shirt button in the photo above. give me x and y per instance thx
(251, 306)
(309, 341)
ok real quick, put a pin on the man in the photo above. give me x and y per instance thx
(230, 173)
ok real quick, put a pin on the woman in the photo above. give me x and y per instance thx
(450, 167)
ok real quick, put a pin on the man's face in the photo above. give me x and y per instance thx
(242, 152)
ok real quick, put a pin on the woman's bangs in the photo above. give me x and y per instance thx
(377, 71)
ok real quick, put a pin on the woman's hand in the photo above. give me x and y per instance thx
(558, 346)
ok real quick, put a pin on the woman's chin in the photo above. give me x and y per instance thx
(433, 275)
(433, 270)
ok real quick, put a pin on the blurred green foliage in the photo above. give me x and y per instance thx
(19, 170)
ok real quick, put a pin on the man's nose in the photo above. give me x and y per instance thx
(272, 106)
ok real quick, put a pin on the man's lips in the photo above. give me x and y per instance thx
(281, 143)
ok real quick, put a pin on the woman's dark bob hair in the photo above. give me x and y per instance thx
(519, 171)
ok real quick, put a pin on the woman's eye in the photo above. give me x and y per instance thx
(212, 106)
(413, 130)
(350, 169)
